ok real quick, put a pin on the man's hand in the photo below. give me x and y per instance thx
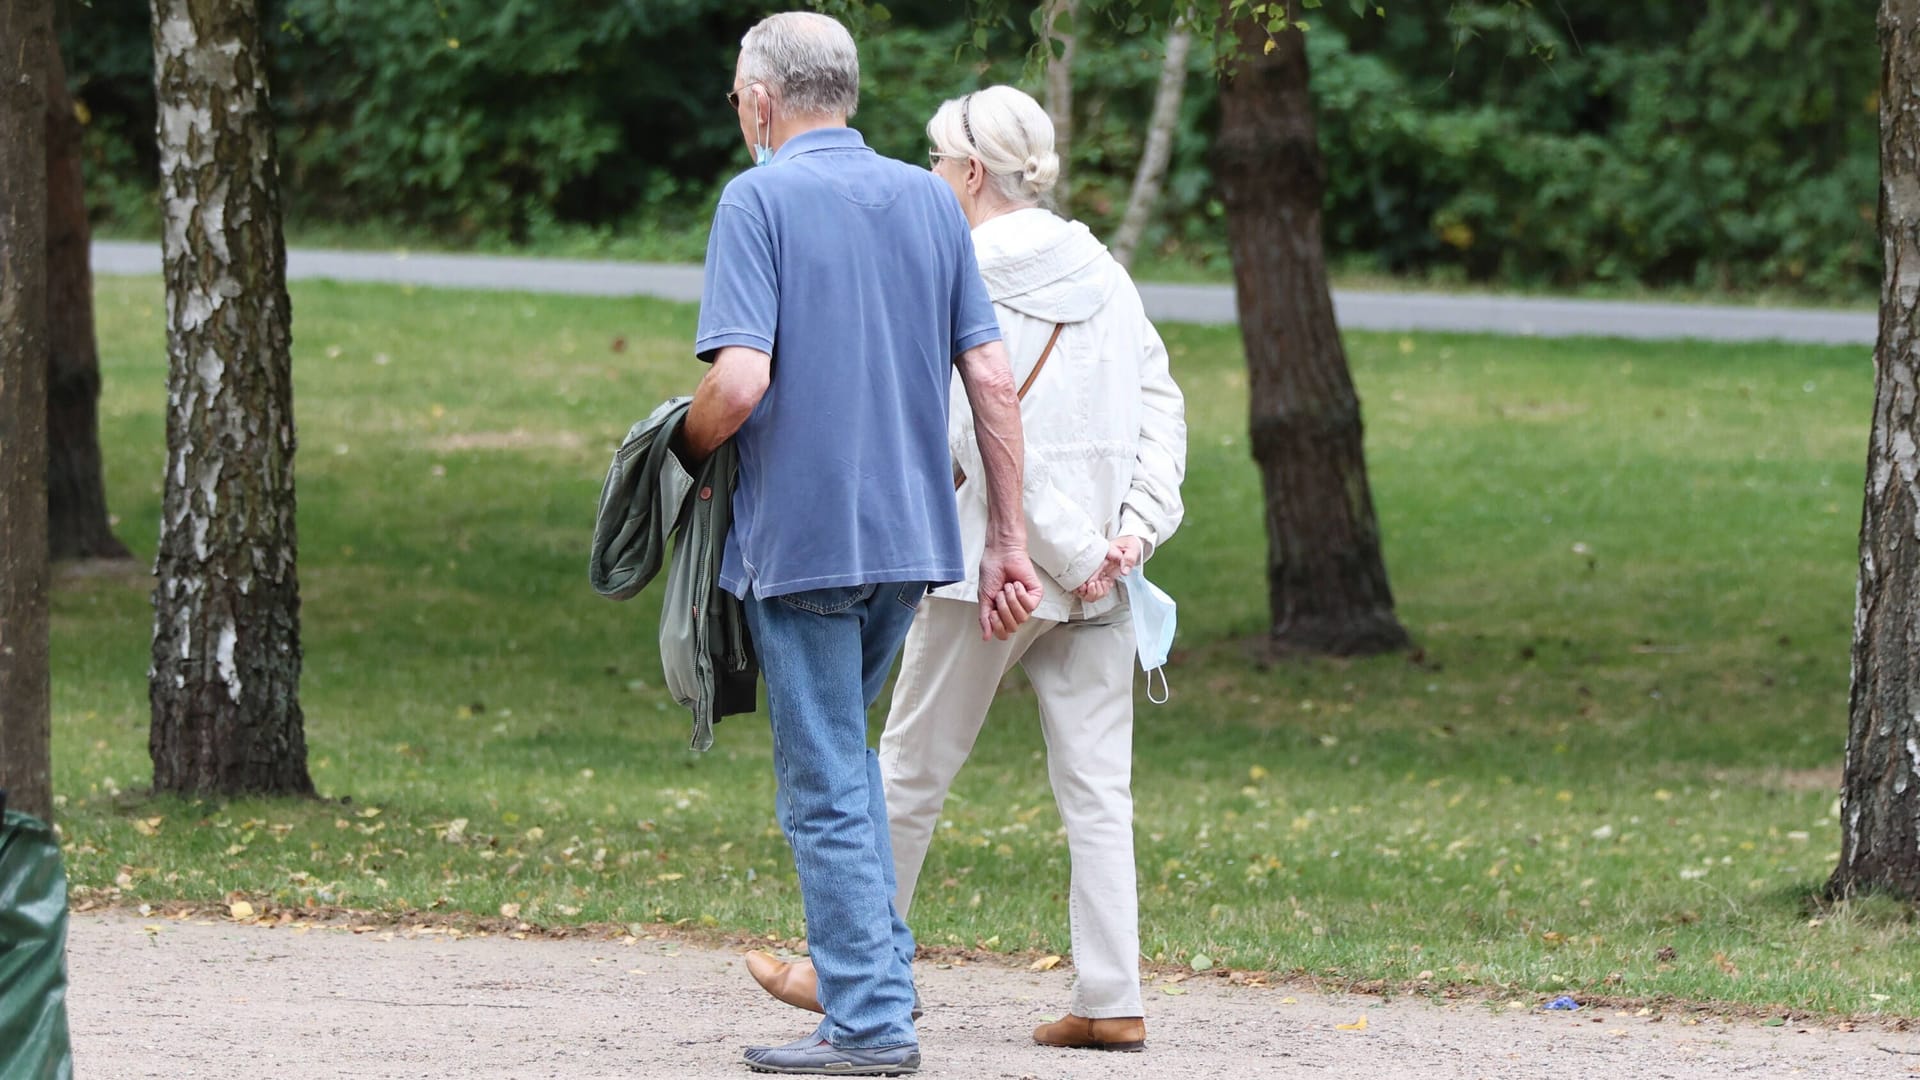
(1009, 592)
(1122, 556)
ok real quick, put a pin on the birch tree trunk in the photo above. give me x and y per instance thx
(1326, 581)
(26, 35)
(1880, 789)
(1059, 93)
(77, 523)
(1152, 173)
(224, 685)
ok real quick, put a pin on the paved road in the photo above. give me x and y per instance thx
(1170, 303)
(174, 999)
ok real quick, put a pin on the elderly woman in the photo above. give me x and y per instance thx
(1105, 453)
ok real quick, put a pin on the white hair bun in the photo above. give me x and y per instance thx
(1040, 171)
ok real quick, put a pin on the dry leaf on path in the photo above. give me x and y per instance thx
(1357, 1025)
(1045, 963)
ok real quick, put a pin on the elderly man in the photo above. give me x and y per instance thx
(840, 291)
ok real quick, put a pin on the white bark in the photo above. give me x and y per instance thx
(1880, 806)
(1059, 95)
(1147, 180)
(226, 648)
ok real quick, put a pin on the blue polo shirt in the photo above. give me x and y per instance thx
(856, 274)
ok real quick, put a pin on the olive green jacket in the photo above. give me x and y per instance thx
(648, 497)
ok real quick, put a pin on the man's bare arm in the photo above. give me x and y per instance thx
(1009, 588)
(728, 393)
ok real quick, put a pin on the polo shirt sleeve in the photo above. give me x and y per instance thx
(740, 294)
(972, 319)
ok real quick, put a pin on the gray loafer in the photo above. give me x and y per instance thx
(817, 1057)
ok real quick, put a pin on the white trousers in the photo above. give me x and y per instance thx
(1082, 672)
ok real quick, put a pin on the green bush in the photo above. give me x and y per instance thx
(1724, 145)
(1733, 146)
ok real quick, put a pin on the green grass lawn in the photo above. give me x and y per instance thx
(1612, 766)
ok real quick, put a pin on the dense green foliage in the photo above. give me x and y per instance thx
(1718, 143)
(1724, 144)
(1612, 767)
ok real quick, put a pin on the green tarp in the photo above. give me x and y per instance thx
(33, 953)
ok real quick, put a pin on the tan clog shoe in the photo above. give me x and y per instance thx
(1126, 1033)
(794, 984)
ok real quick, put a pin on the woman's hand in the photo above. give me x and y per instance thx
(1096, 587)
(1122, 556)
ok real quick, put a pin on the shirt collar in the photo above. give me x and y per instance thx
(826, 138)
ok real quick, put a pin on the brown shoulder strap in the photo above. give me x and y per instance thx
(1042, 362)
(960, 477)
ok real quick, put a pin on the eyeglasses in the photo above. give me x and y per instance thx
(733, 96)
(966, 128)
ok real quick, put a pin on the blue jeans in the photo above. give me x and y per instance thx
(825, 655)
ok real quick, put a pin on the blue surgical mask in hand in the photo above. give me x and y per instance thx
(1153, 624)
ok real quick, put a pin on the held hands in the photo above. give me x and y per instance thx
(1009, 592)
(1122, 556)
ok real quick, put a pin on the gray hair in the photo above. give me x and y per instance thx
(1011, 135)
(809, 60)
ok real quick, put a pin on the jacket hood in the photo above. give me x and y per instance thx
(1043, 266)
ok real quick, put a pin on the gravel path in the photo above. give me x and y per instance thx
(1356, 310)
(189, 999)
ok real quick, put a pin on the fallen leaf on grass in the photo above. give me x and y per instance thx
(1045, 963)
(240, 910)
(1357, 1025)
(509, 911)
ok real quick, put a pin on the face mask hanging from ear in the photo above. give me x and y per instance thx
(1153, 625)
(763, 149)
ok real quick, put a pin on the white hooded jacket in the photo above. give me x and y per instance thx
(1105, 426)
